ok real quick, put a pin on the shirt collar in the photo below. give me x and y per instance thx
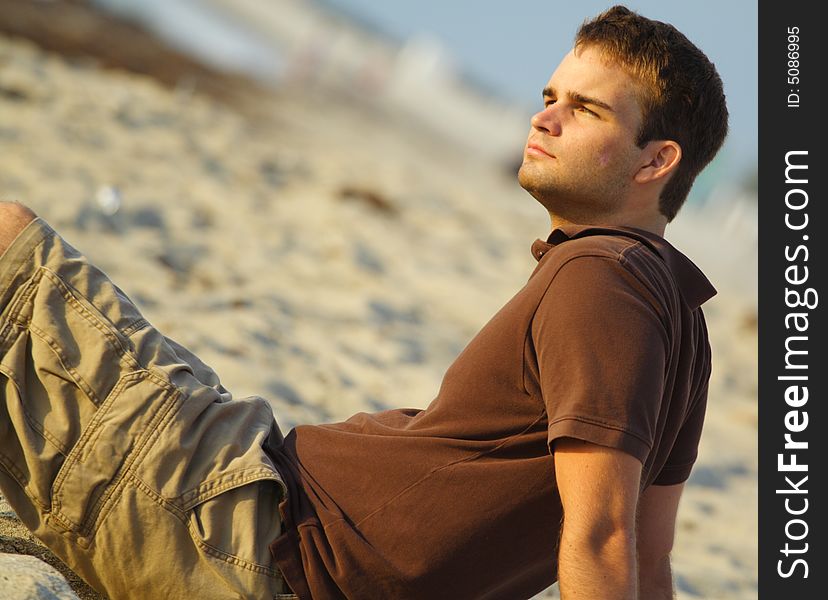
(695, 288)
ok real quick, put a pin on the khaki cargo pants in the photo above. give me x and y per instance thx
(119, 448)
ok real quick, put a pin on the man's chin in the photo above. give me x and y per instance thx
(525, 177)
(545, 194)
(537, 193)
(530, 181)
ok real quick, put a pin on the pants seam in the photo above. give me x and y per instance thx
(76, 377)
(237, 479)
(21, 267)
(12, 320)
(19, 477)
(170, 507)
(44, 433)
(109, 498)
(135, 327)
(110, 332)
(92, 431)
(233, 559)
(105, 501)
(181, 515)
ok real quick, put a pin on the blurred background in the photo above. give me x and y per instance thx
(318, 197)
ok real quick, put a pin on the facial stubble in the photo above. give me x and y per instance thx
(577, 193)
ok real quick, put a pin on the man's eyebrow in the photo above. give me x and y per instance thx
(578, 97)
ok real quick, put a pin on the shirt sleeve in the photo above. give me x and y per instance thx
(686, 447)
(685, 451)
(601, 346)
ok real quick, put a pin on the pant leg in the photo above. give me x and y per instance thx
(119, 449)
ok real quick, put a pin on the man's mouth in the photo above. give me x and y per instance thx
(537, 150)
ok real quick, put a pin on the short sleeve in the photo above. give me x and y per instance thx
(686, 447)
(601, 347)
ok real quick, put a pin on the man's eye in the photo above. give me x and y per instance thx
(585, 110)
(549, 102)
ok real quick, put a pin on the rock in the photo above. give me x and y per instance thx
(28, 578)
(6, 510)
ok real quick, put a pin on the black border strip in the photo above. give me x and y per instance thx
(792, 227)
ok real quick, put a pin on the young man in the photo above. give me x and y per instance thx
(556, 448)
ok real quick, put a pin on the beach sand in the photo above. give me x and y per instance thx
(333, 259)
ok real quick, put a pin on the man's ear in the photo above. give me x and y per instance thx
(660, 158)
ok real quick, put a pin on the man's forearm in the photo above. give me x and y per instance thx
(655, 582)
(592, 570)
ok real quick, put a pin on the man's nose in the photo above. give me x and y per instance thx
(547, 121)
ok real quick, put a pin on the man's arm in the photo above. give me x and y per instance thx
(657, 508)
(597, 559)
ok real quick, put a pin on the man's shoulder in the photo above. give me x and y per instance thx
(596, 263)
(591, 251)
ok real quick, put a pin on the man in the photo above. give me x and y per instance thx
(557, 446)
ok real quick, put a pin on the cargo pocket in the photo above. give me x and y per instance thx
(116, 438)
(82, 399)
(236, 527)
(211, 466)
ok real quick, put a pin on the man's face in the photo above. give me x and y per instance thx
(580, 157)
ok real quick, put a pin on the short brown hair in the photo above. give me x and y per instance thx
(681, 93)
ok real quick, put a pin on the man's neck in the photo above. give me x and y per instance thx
(654, 224)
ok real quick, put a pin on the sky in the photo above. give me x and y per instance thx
(513, 46)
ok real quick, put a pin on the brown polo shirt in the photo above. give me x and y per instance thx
(606, 343)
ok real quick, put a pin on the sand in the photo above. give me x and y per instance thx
(334, 258)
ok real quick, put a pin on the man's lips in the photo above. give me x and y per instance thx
(532, 148)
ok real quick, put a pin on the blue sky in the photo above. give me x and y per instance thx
(513, 46)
